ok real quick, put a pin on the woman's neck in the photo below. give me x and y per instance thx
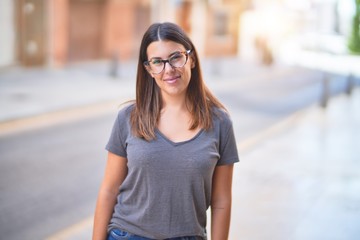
(174, 103)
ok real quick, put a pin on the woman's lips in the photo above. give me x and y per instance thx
(171, 79)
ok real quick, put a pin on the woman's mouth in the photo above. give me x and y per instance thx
(171, 79)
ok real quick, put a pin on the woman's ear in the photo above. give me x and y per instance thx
(148, 71)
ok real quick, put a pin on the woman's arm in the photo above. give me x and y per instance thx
(115, 173)
(221, 202)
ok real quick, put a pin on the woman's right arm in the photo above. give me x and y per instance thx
(115, 173)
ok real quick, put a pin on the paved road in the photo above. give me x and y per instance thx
(50, 176)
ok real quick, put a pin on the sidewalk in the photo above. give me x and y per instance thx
(41, 96)
(301, 179)
(298, 180)
(30, 92)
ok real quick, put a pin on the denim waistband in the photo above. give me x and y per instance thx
(118, 234)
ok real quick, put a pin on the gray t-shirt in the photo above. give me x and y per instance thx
(168, 186)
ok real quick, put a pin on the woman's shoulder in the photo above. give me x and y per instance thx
(221, 118)
(221, 114)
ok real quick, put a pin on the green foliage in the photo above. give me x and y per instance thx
(354, 39)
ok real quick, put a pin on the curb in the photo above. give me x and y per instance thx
(57, 117)
(76, 231)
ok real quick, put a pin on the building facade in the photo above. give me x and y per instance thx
(60, 32)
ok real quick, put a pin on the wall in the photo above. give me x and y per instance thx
(7, 26)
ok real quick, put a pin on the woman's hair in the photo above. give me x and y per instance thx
(148, 103)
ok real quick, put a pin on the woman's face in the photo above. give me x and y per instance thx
(171, 81)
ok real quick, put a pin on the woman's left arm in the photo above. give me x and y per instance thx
(221, 202)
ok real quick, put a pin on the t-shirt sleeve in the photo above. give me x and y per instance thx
(118, 136)
(228, 147)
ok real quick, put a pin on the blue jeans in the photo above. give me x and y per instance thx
(117, 234)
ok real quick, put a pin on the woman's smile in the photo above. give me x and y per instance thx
(172, 80)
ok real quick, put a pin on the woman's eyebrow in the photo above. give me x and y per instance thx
(173, 53)
(155, 58)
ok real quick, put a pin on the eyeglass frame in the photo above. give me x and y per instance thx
(186, 52)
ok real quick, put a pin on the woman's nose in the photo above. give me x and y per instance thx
(168, 67)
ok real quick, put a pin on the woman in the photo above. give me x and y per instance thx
(171, 153)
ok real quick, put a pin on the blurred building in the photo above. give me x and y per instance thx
(276, 29)
(59, 32)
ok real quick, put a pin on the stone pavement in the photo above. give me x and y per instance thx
(31, 92)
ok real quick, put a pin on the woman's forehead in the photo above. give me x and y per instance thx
(163, 49)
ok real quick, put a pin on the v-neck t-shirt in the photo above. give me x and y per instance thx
(167, 189)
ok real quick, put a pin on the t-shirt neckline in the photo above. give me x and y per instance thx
(180, 142)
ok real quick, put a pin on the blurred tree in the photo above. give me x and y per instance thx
(354, 40)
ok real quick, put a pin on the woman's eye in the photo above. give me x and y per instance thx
(156, 61)
(176, 56)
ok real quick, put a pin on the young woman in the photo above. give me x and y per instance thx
(170, 153)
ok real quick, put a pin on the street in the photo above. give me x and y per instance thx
(50, 176)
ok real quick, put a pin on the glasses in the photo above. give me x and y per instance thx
(177, 60)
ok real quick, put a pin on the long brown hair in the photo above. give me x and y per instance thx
(148, 103)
